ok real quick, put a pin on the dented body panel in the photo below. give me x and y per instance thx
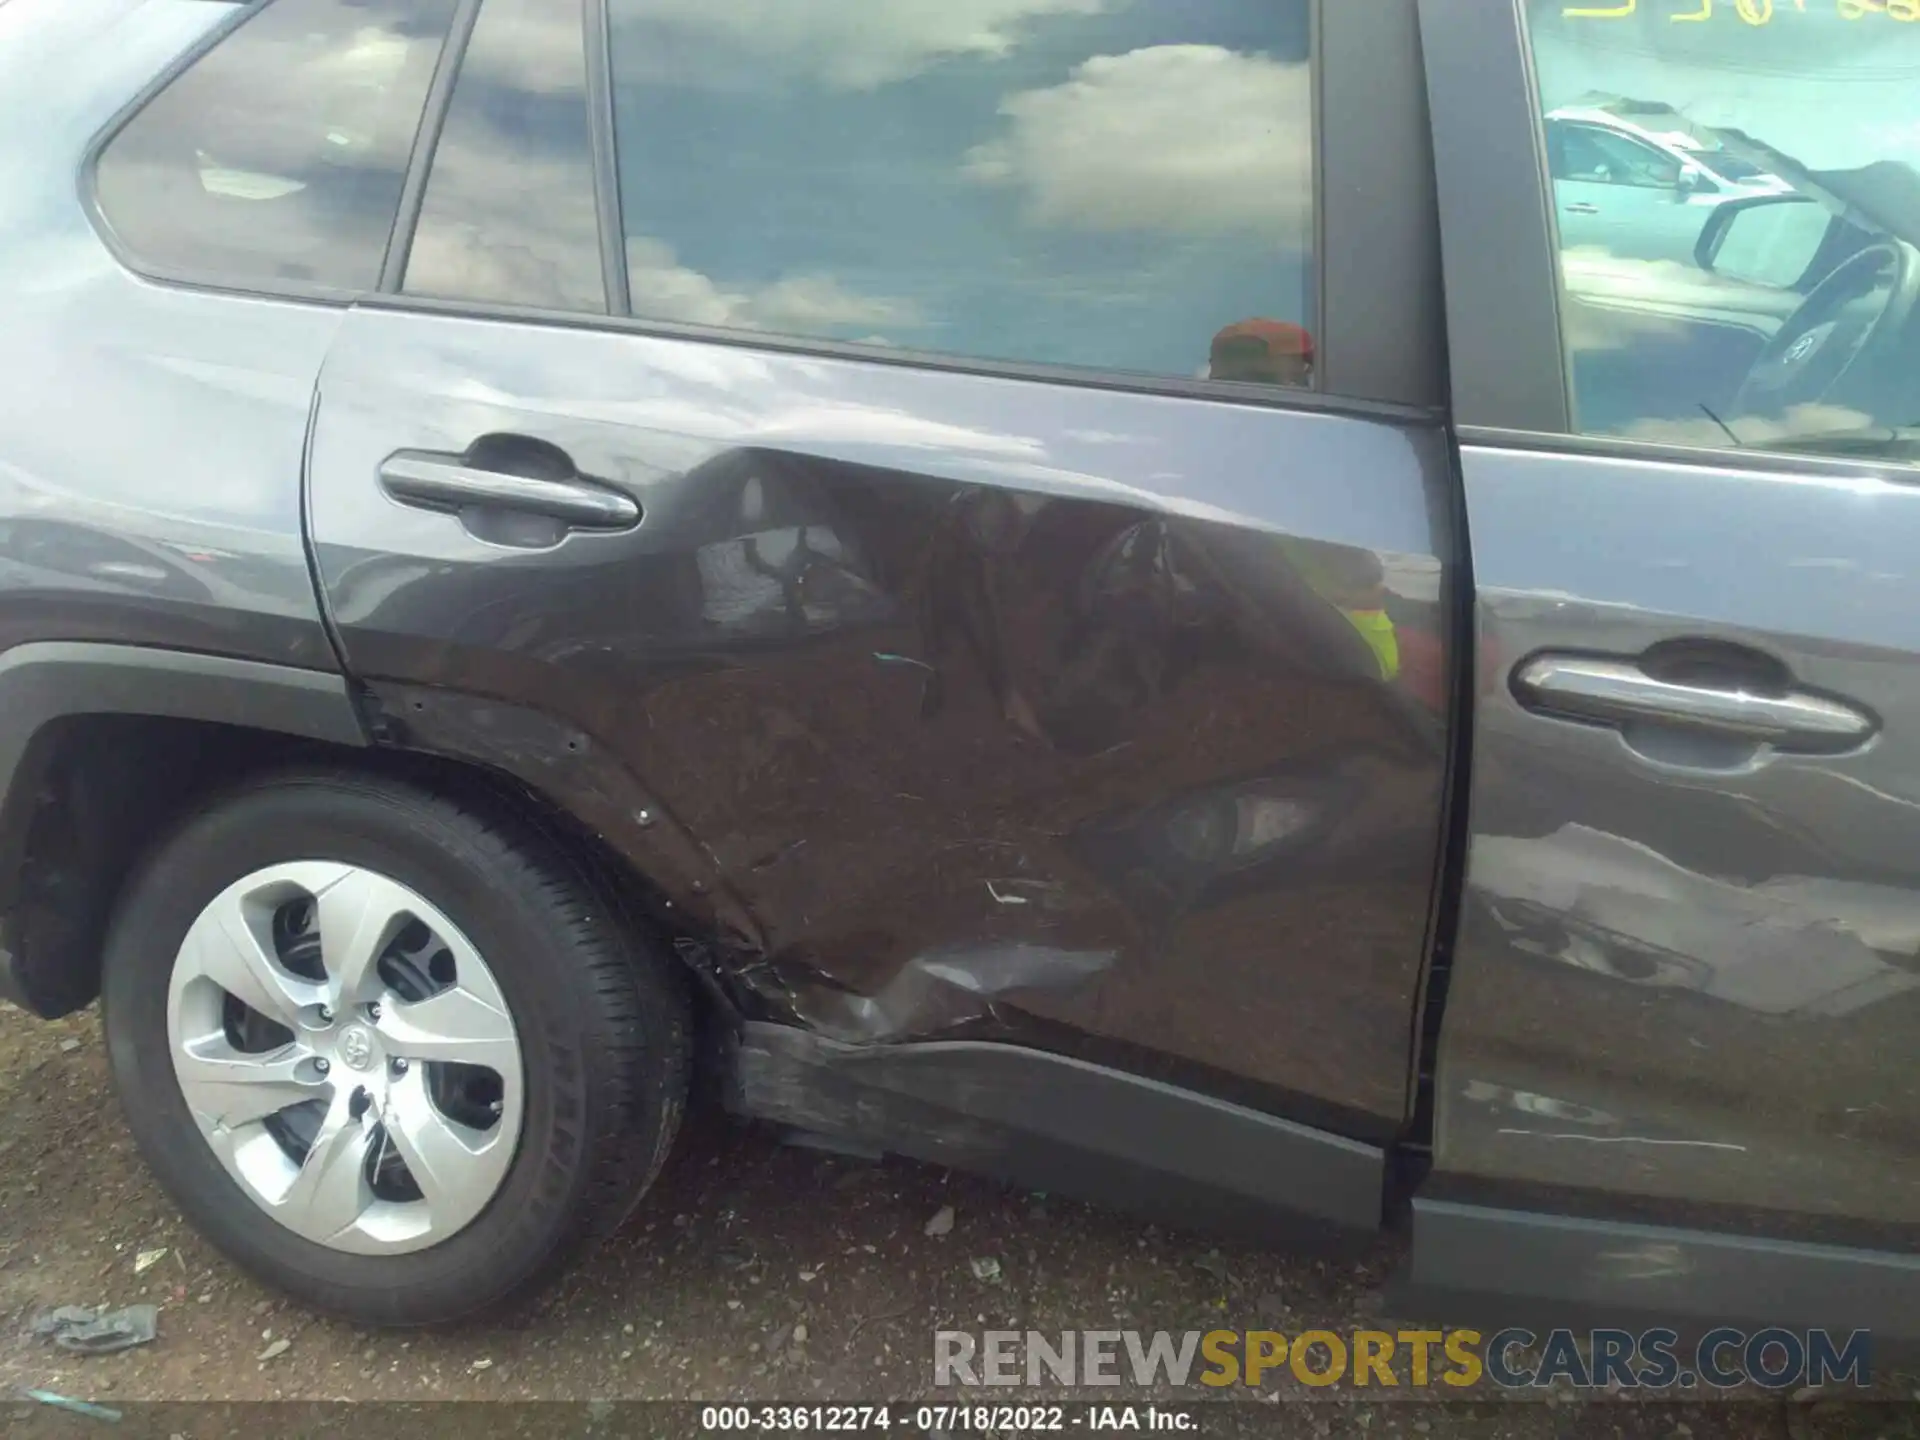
(1055, 1123)
(955, 706)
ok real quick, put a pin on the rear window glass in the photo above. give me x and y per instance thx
(279, 155)
(1121, 186)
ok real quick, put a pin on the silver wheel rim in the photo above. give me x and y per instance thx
(348, 1056)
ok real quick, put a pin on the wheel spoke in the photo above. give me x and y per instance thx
(330, 1191)
(448, 1161)
(225, 947)
(228, 1087)
(454, 1025)
(358, 914)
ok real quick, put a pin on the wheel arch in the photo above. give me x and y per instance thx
(103, 746)
(98, 742)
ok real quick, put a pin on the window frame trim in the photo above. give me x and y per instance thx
(1377, 221)
(426, 144)
(1137, 382)
(1380, 341)
(603, 145)
(87, 174)
(1755, 461)
(88, 179)
(1382, 365)
(433, 124)
(1499, 237)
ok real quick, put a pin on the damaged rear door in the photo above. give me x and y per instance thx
(958, 510)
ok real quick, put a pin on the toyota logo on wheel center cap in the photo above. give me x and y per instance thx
(356, 1047)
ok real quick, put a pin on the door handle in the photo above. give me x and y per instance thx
(437, 483)
(1581, 207)
(1619, 692)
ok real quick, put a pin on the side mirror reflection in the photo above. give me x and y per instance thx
(1766, 240)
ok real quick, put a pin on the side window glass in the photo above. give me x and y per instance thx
(1557, 150)
(1595, 155)
(1059, 181)
(1754, 283)
(508, 214)
(279, 156)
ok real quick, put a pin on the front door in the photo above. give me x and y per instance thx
(1686, 982)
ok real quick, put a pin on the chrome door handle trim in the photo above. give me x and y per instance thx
(1580, 207)
(1619, 691)
(444, 484)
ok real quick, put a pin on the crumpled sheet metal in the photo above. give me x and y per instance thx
(942, 989)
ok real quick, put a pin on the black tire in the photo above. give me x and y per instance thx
(602, 1017)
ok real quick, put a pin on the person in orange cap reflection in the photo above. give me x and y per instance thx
(1270, 352)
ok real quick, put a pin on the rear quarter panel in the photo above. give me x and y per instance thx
(150, 436)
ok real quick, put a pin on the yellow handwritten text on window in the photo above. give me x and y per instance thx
(1752, 12)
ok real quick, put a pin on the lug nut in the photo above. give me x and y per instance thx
(322, 1065)
(399, 1067)
(373, 1011)
(326, 1015)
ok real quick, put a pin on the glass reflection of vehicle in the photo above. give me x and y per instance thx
(1789, 321)
(1639, 181)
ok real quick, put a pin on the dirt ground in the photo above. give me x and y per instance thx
(755, 1271)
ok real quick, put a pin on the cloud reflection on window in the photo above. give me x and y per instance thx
(1182, 138)
(509, 210)
(664, 289)
(832, 42)
(281, 153)
(1106, 183)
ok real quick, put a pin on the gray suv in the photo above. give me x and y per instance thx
(1084, 591)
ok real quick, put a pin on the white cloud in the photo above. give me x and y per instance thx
(350, 74)
(509, 209)
(664, 289)
(805, 304)
(861, 46)
(815, 302)
(1181, 138)
(529, 45)
(500, 225)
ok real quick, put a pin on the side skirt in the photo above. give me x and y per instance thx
(1498, 1267)
(1061, 1125)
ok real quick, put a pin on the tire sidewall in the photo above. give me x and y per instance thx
(501, 911)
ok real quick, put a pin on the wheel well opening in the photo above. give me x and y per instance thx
(98, 791)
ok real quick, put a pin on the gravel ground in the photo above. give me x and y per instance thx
(755, 1271)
